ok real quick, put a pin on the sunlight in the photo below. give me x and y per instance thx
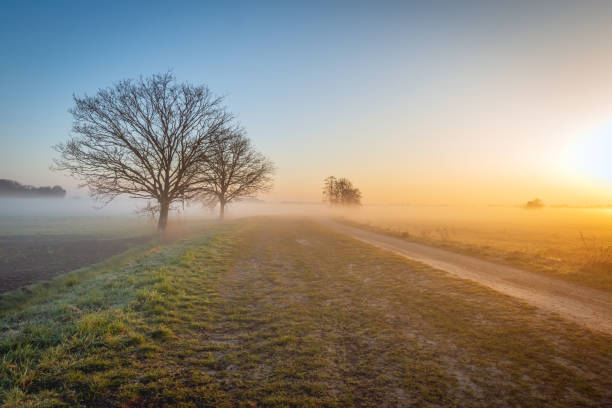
(591, 155)
(306, 204)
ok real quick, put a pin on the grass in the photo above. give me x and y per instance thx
(97, 226)
(103, 227)
(566, 243)
(281, 312)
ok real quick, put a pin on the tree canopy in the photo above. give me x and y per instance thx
(145, 138)
(233, 169)
(11, 188)
(340, 191)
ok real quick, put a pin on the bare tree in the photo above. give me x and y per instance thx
(142, 138)
(340, 191)
(330, 194)
(233, 169)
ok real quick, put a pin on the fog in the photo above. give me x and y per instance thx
(486, 215)
(123, 206)
(417, 220)
(65, 207)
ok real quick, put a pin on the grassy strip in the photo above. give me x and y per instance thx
(271, 312)
(92, 337)
(595, 275)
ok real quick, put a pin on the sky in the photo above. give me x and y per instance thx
(445, 103)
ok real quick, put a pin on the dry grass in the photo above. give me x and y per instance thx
(572, 244)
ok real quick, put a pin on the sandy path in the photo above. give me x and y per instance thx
(585, 306)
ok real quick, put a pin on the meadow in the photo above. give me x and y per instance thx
(569, 243)
(282, 312)
(103, 227)
(38, 248)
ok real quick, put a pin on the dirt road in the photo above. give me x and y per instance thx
(589, 307)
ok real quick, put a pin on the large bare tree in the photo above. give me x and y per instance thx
(143, 138)
(233, 169)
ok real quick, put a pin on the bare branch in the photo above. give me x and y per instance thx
(340, 191)
(233, 169)
(143, 138)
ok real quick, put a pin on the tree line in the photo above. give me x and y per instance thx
(12, 188)
(162, 141)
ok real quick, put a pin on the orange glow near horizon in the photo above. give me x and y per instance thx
(491, 104)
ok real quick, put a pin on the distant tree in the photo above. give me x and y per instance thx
(142, 138)
(11, 188)
(348, 194)
(329, 190)
(340, 191)
(534, 204)
(232, 169)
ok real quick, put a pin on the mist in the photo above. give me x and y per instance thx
(315, 204)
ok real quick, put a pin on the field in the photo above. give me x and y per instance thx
(283, 312)
(29, 259)
(568, 243)
(34, 249)
(103, 227)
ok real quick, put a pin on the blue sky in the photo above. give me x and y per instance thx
(280, 65)
(357, 89)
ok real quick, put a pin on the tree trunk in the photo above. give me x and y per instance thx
(221, 209)
(164, 206)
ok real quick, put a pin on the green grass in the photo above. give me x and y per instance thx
(273, 312)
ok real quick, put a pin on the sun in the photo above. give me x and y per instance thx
(591, 155)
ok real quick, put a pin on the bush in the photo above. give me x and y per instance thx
(536, 203)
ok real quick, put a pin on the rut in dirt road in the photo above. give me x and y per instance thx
(589, 307)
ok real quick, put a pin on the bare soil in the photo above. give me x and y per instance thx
(27, 259)
(589, 307)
